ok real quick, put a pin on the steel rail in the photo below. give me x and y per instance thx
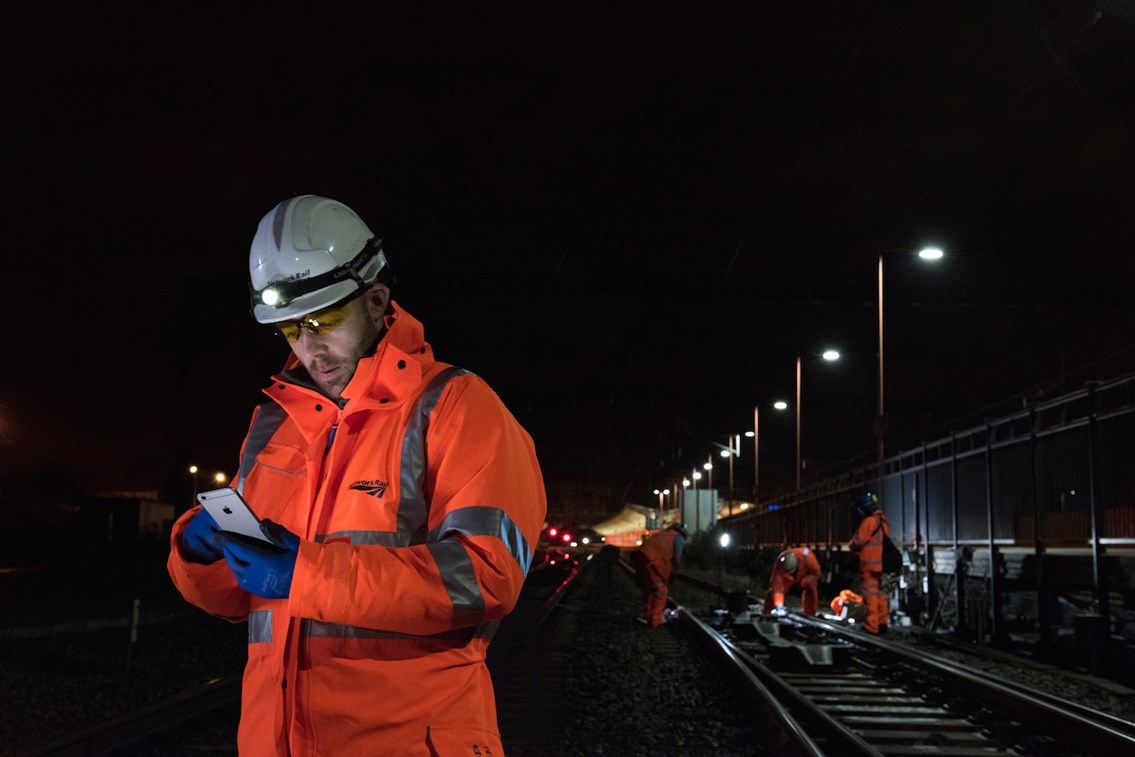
(1070, 725)
(793, 738)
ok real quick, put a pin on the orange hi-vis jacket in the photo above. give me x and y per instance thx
(806, 566)
(663, 552)
(418, 503)
(868, 542)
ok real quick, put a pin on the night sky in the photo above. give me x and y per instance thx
(630, 222)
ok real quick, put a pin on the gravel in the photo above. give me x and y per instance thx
(630, 694)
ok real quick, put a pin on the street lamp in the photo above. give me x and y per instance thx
(220, 478)
(926, 253)
(661, 506)
(696, 476)
(193, 473)
(756, 436)
(830, 356)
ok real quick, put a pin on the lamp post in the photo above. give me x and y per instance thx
(830, 356)
(756, 435)
(926, 253)
(193, 474)
(661, 503)
(696, 476)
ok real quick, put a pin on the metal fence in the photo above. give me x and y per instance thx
(1039, 503)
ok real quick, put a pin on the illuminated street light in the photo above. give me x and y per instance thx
(193, 473)
(830, 356)
(220, 478)
(926, 253)
(755, 434)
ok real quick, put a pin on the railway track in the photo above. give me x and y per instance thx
(803, 686)
(857, 694)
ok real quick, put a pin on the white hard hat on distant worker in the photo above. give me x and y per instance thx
(309, 253)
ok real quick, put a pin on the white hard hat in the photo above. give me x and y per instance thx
(310, 252)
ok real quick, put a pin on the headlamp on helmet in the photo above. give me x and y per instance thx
(308, 253)
(279, 294)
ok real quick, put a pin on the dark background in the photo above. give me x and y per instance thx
(629, 221)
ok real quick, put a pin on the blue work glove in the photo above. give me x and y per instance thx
(261, 568)
(201, 539)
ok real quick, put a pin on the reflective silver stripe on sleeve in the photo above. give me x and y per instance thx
(460, 581)
(319, 629)
(380, 538)
(260, 627)
(269, 416)
(413, 509)
(487, 521)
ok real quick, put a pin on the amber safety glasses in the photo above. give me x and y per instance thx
(318, 323)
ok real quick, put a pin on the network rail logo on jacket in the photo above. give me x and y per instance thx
(373, 487)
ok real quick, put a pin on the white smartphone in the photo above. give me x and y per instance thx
(232, 513)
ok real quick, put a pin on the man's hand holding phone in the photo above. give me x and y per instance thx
(263, 568)
(201, 540)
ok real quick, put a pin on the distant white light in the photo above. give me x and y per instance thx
(930, 253)
(750, 434)
(696, 476)
(707, 466)
(724, 540)
(725, 453)
(780, 405)
(830, 355)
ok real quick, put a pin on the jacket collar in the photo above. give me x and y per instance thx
(386, 378)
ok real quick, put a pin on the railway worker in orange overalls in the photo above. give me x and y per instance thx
(656, 563)
(794, 566)
(868, 544)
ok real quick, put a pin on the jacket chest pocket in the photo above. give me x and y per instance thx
(279, 475)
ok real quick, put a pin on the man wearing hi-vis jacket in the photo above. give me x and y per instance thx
(796, 566)
(867, 542)
(656, 564)
(402, 500)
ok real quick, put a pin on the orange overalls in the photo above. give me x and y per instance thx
(418, 504)
(840, 605)
(868, 543)
(807, 574)
(655, 564)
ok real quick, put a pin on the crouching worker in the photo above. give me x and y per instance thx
(849, 606)
(794, 566)
(655, 565)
